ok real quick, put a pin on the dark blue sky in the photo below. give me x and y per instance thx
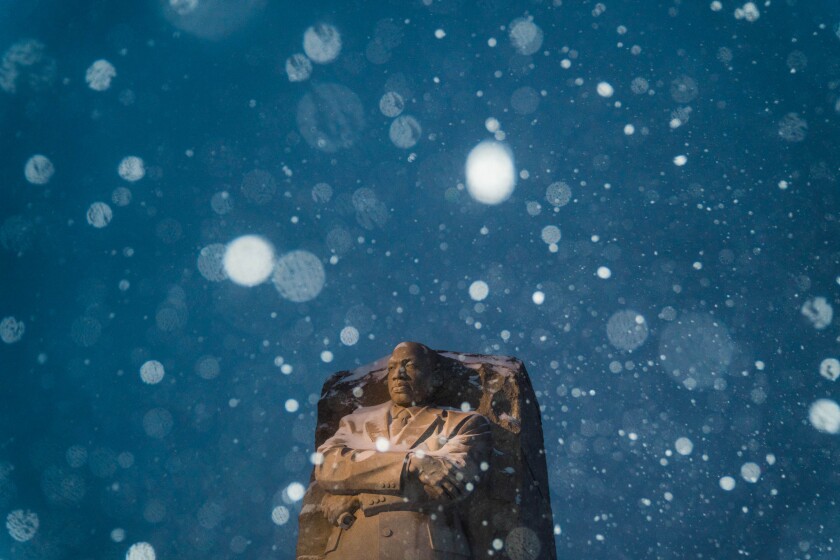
(697, 333)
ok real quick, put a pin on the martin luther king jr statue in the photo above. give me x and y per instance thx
(392, 473)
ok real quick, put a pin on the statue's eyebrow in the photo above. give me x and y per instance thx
(401, 362)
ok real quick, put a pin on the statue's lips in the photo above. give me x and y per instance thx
(402, 388)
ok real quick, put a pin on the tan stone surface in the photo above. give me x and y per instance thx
(513, 499)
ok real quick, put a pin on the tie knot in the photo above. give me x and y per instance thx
(403, 415)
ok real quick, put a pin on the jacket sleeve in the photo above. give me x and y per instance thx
(371, 504)
(351, 464)
(468, 447)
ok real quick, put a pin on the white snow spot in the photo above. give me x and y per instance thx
(121, 196)
(248, 260)
(152, 372)
(558, 194)
(132, 168)
(479, 290)
(183, 7)
(818, 311)
(280, 515)
(38, 170)
(298, 67)
(141, 551)
(684, 446)
(391, 104)
(99, 215)
(830, 368)
(208, 367)
(118, 534)
(22, 525)
(99, 75)
(525, 36)
(627, 330)
(382, 444)
(405, 131)
(322, 43)
(299, 276)
(211, 262)
(295, 491)
(316, 458)
(491, 176)
(750, 472)
(824, 415)
(748, 11)
(349, 336)
(11, 330)
(550, 234)
(605, 89)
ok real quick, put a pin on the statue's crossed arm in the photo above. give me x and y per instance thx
(357, 476)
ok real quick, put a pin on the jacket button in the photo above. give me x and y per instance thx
(386, 532)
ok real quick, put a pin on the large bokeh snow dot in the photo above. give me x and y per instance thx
(479, 290)
(824, 415)
(491, 176)
(152, 372)
(38, 170)
(322, 43)
(295, 491)
(22, 525)
(299, 276)
(249, 260)
(132, 168)
(141, 551)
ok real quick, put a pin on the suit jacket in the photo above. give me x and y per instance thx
(396, 516)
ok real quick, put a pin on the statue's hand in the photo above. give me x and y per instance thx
(334, 505)
(440, 478)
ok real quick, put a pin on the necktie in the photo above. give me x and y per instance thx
(402, 418)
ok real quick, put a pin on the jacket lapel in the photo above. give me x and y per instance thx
(377, 425)
(420, 427)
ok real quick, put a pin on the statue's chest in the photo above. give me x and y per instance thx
(428, 436)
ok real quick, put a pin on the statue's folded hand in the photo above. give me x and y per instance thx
(440, 478)
(335, 505)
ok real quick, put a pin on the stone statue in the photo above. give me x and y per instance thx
(427, 454)
(392, 472)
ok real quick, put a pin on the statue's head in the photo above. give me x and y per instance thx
(413, 374)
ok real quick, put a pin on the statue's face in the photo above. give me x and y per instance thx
(410, 375)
